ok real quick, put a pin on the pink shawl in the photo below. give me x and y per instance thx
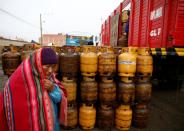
(25, 104)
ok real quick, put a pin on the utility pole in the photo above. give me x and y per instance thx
(41, 36)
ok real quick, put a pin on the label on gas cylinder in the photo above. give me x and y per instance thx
(127, 62)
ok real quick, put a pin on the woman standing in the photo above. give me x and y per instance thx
(31, 94)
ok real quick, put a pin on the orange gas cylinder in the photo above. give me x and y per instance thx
(126, 92)
(88, 90)
(71, 88)
(123, 117)
(88, 62)
(72, 116)
(107, 91)
(140, 115)
(127, 62)
(143, 92)
(87, 116)
(144, 62)
(107, 64)
(10, 62)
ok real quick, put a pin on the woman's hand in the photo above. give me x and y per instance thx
(48, 85)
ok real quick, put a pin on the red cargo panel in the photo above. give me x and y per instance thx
(103, 33)
(178, 35)
(143, 24)
(169, 23)
(108, 30)
(105, 40)
(166, 26)
(134, 23)
(153, 23)
(156, 23)
(119, 12)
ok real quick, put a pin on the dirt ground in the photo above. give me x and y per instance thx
(167, 112)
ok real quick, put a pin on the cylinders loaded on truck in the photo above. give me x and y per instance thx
(155, 24)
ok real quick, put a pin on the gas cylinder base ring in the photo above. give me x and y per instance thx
(88, 74)
(108, 103)
(86, 128)
(143, 74)
(127, 74)
(123, 128)
(69, 127)
(107, 74)
(127, 79)
(89, 78)
(89, 103)
(72, 103)
(107, 79)
(68, 79)
(69, 74)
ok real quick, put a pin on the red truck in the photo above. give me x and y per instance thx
(157, 24)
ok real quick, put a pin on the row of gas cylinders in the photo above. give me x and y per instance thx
(122, 116)
(106, 63)
(107, 91)
(89, 62)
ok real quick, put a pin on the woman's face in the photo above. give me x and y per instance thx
(48, 70)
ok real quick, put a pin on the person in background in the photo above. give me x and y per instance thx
(30, 97)
(127, 24)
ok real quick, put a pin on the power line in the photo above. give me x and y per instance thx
(18, 18)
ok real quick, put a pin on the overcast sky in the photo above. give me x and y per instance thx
(59, 16)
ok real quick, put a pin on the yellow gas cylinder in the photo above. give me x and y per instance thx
(144, 62)
(127, 62)
(123, 117)
(71, 88)
(87, 116)
(88, 62)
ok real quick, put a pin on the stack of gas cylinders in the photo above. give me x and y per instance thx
(143, 88)
(126, 88)
(88, 87)
(69, 69)
(104, 88)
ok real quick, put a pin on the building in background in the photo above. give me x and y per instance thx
(8, 42)
(55, 39)
(73, 40)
